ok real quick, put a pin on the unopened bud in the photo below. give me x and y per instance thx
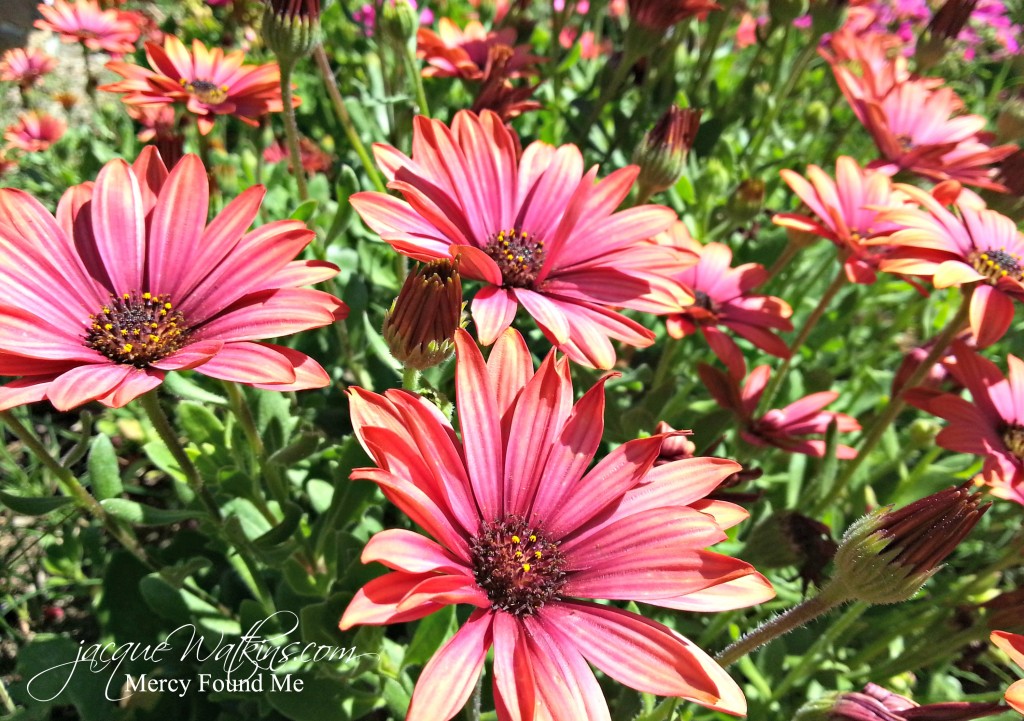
(887, 556)
(817, 115)
(661, 155)
(787, 538)
(876, 703)
(420, 326)
(783, 12)
(673, 448)
(291, 28)
(826, 16)
(399, 22)
(951, 18)
(746, 201)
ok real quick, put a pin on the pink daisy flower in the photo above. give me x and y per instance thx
(523, 530)
(917, 127)
(990, 425)
(34, 132)
(534, 228)
(724, 297)
(25, 66)
(85, 22)
(974, 246)
(454, 52)
(846, 211)
(129, 282)
(207, 82)
(1012, 644)
(784, 428)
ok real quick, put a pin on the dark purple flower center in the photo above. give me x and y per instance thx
(996, 264)
(519, 256)
(703, 300)
(137, 329)
(1013, 437)
(206, 92)
(516, 565)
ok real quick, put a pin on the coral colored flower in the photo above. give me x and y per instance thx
(34, 132)
(1013, 645)
(314, 159)
(207, 82)
(25, 66)
(496, 91)
(453, 52)
(129, 282)
(991, 424)
(84, 21)
(784, 428)
(523, 530)
(534, 229)
(846, 211)
(974, 246)
(917, 127)
(724, 297)
(7, 165)
(162, 127)
(660, 15)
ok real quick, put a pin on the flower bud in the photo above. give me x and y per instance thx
(661, 155)
(673, 448)
(826, 16)
(875, 703)
(291, 28)
(787, 538)
(887, 555)
(783, 12)
(746, 201)
(420, 326)
(816, 115)
(398, 22)
(1010, 122)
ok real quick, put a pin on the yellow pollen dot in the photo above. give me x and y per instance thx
(517, 554)
(154, 325)
(107, 326)
(538, 554)
(515, 539)
(127, 348)
(533, 537)
(154, 338)
(526, 567)
(127, 296)
(168, 306)
(163, 312)
(106, 309)
(124, 332)
(147, 296)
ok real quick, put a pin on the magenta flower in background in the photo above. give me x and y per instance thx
(786, 428)
(128, 282)
(34, 131)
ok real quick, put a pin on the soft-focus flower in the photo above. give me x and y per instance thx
(724, 297)
(523, 530)
(875, 703)
(1013, 645)
(129, 282)
(886, 556)
(943, 376)
(535, 229)
(35, 131)
(207, 82)
(746, 32)
(991, 424)
(161, 127)
(420, 326)
(918, 127)
(660, 15)
(846, 211)
(7, 164)
(590, 48)
(497, 93)
(25, 66)
(84, 21)
(453, 52)
(314, 158)
(975, 246)
(786, 428)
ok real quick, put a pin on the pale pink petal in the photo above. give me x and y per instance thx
(493, 310)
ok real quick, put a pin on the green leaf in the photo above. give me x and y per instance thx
(432, 631)
(142, 515)
(320, 699)
(104, 473)
(199, 422)
(305, 210)
(283, 531)
(31, 506)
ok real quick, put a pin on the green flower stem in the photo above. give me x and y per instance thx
(837, 284)
(412, 67)
(345, 119)
(151, 404)
(90, 79)
(411, 380)
(243, 412)
(795, 73)
(291, 129)
(626, 62)
(716, 23)
(5, 700)
(73, 487)
(473, 709)
(665, 364)
(801, 614)
(873, 435)
(810, 659)
(785, 258)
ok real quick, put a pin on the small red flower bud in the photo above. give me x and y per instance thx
(420, 326)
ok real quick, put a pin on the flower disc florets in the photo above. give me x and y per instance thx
(996, 264)
(1013, 437)
(517, 566)
(137, 329)
(519, 256)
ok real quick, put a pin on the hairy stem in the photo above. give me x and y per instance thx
(291, 130)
